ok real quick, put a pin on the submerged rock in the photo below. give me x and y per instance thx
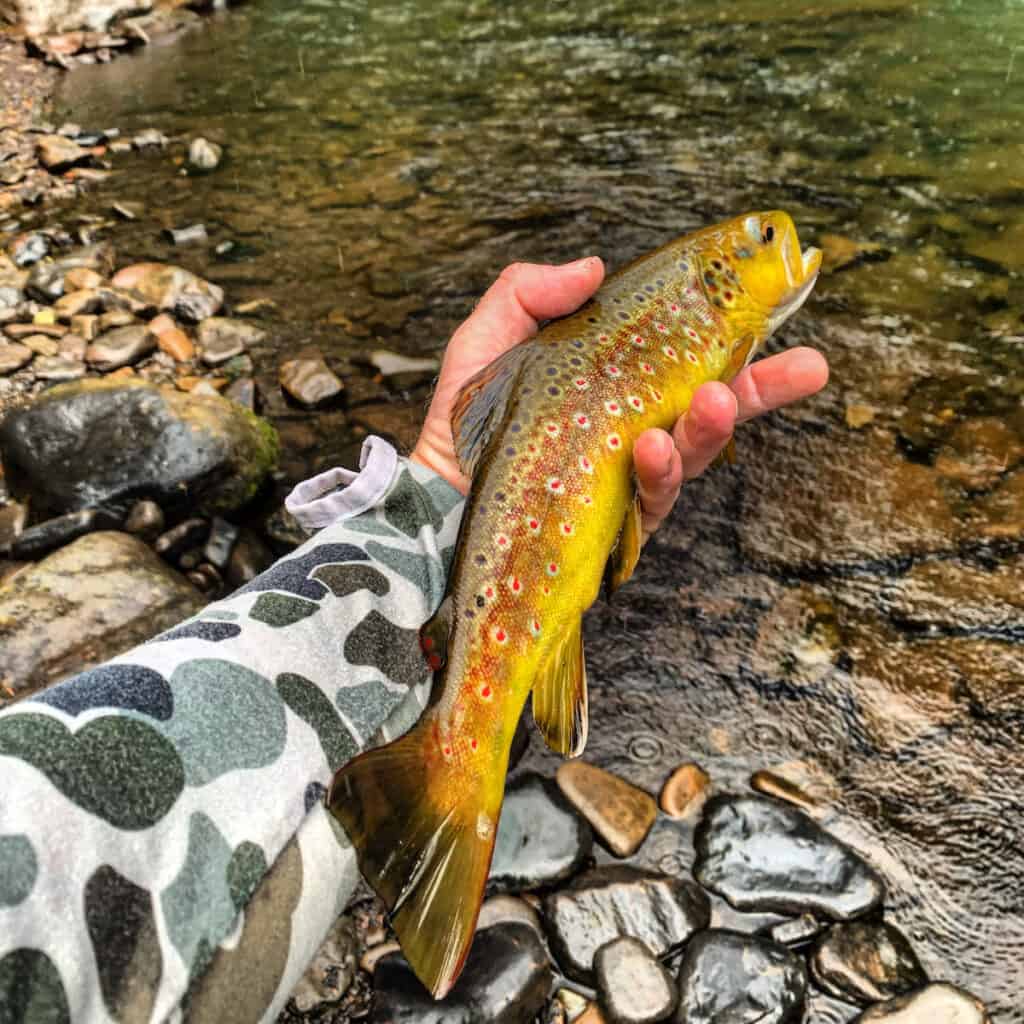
(618, 900)
(936, 1004)
(729, 978)
(144, 442)
(633, 986)
(866, 962)
(308, 378)
(222, 338)
(171, 289)
(56, 153)
(541, 841)
(204, 155)
(83, 605)
(506, 980)
(761, 854)
(620, 813)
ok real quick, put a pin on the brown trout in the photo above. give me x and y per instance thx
(546, 434)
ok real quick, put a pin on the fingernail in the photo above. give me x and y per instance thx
(580, 262)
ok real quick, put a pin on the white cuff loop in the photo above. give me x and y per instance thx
(340, 493)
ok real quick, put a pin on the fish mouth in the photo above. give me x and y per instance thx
(802, 267)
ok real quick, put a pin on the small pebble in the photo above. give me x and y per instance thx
(220, 542)
(146, 520)
(369, 960)
(172, 544)
(797, 931)
(309, 380)
(188, 235)
(782, 789)
(204, 155)
(13, 356)
(684, 791)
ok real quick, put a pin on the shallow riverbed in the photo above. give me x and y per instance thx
(847, 600)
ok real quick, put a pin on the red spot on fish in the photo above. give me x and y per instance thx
(568, 529)
(552, 429)
(638, 341)
(447, 751)
(555, 485)
(670, 352)
(582, 420)
(434, 661)
(612, 370)
(586, 499)
(485, 692)
(534, 525)
(532, 447)
(613, 408)
(501, 540)
(489, 592)
(647, 367)
(546, 589)
(535, 627)
(581, 383)
(472, 744)
(674, 307)
(602, 337)
(514, 584)
(552, 568)
(636, 403)
(586, 465)
(692, 358)
(614, 441)
(500, 636)
(662, 328)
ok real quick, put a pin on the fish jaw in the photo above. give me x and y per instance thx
(801, 267)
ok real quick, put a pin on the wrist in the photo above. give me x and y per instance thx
(428, 453)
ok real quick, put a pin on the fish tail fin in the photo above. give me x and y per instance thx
(424, 833)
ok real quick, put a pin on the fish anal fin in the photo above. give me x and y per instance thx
(482, 404)
(424, 840)
(434, 635)
(626, 552)
(560, 696)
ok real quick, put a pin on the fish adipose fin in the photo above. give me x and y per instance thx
(626, 552)
(482, 403)
(424, 841)
(560, 696)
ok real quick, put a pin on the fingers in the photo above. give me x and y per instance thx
(779, 380)
(706, 428)
(659, 475)
(525, 293)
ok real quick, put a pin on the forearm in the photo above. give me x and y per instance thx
(159, 796)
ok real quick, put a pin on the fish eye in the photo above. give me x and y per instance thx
(769, 234)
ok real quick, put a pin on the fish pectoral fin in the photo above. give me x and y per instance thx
(482, 403)
(434, 635)
(727, 456)
(424, 836)
(626, 552)
(560, 696)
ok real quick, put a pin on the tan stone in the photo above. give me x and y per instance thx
(620, 813)
(684, 791)
(782, 789)
(86, 325)
(858, 415)
(79, 278)
(170, 338)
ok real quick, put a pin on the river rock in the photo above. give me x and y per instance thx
(170, 338)
(59, 369)
(40, 344)
(171, 289)
(123, 346)
(73, 347)
(84, 604)
(204, 155)
(14, 356)
(504, 908)
(402, 371)
(28, 248)
(684, 791)
(45, 17)
(243, 391)
(86, 326)
(13, 517)
(541, 840)
(936, 1004)
(866, 962)
(185, 536)
(187, 235)
(761, 854)
(333, 968)
(77, 303)
(633, 987)
(222, 338)
(729, 978)
(249, 557)
(145, 520)
(506, 980)
(617, 900)
(180, 451)
(220, 542)
(979, 451)
(82, 279)
(620, 813)
(45, 537)
(56, 153)
(309, 380)
(797, 931)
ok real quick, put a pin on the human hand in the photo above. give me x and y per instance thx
(509, 312)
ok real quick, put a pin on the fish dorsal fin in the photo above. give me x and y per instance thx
(482, 403)
(626, 552)
(434, 635)
(560, 695)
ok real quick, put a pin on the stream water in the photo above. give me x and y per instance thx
(844, 605)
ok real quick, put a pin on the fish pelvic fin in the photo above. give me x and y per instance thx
(560, 696)
(424, 835)
(626, 552)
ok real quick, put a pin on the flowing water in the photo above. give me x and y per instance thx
(844, 604)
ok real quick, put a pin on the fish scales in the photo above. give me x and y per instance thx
(546, 433)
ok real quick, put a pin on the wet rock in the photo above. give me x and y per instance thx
(84, 604)
(116, 318)
(633, 987)
(616, 900)
(249, 557)
(309, 380)
(13, 517)
(40, 344)
(999, 515)
(150, 138)
(765, 855)
(82, 279)
(171, 289)
(242, 391)
(541, 841)
(866, 962)
(684, 791)
(41, 19)
(86, 326)
(936, 1004)
(187, 235)
(58, 368)
(220, 542)
(57, 153)
(13, 357)
(374, 954)
(782, 789)
(796, 932)
(123, 346)
(979, 451)
(729, 978)
(505, 908)
(620, 813)
(187, 535)
(73, 304)
(402, 372)
(204, 155)
(45, 537)
(145, 520)
(839, 252)
(505, 981)
(222, 338)
(182, 452)
(28, 248)
(332, 971)
(170, 338)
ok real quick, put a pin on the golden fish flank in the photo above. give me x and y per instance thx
(546, 433)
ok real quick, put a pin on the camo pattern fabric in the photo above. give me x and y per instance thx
(165, 853)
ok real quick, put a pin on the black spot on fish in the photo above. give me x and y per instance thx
(552, 371)
(481, 559)
(480, 602)
(639, 296)
(576, 344)
(623, 315)
(510, 451)
(553, 391)
(500, 496)
(649, 288)
(576, 361)
(469, 613)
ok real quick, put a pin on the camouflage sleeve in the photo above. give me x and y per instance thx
(164, 849)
